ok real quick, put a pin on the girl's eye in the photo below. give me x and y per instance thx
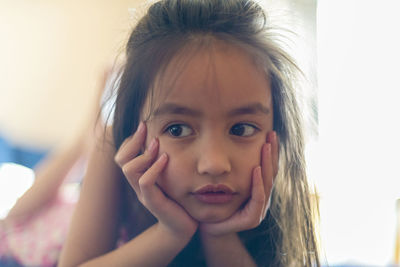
(243, 129)
(179, 130)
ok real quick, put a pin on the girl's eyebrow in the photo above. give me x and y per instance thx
(171, 109)
(252, 108)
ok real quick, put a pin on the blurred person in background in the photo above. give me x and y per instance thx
(34, 229)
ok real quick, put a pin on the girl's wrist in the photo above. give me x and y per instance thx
(210, 237)
(225, 250)
(181, 236)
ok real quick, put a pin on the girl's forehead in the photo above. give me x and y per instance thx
(220, 75)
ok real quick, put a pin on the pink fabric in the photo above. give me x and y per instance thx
(38, 240)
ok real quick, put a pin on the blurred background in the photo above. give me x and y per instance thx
(54, 53)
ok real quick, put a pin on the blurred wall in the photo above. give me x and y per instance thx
(53, 53)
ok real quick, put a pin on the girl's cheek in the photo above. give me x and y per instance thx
(180, 166)
(172, 180)
(167, 179)
(250, 154)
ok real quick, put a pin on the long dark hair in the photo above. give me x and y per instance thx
(288, 233)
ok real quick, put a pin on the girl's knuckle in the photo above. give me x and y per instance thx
(117, 159)
(144, 184)
(126, 170)
(120, 160)
(254, 221)
(248, 220)
(260, 201)
(143, 201)
(257, 223)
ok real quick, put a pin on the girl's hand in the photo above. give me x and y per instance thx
(142, 172)
(251, 215)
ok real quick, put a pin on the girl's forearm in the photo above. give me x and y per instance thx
(154, 247)
(226, 250)
(49, 176)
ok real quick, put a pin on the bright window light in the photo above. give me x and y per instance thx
(15, 179)
(356, 160)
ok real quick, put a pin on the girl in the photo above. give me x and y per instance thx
(188, 166)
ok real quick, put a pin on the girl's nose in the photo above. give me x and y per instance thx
(213, 159)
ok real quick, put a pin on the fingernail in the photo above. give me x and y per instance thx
(153, 145)
(275, 137)
(258, 171)
(271, 137)
(163, 158)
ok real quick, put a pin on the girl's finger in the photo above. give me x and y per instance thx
(130, 148)
(275, 152)
(258, 196)
(267, 168)
(252, 214)
(273, 139)
(147, 183)
(135, 168)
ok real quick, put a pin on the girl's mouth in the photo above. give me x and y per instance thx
(214, 194)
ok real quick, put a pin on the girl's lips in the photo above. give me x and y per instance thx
(214, 194)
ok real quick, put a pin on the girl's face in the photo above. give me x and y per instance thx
(211, 120)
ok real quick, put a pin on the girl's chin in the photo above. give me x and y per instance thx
(211, 218)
